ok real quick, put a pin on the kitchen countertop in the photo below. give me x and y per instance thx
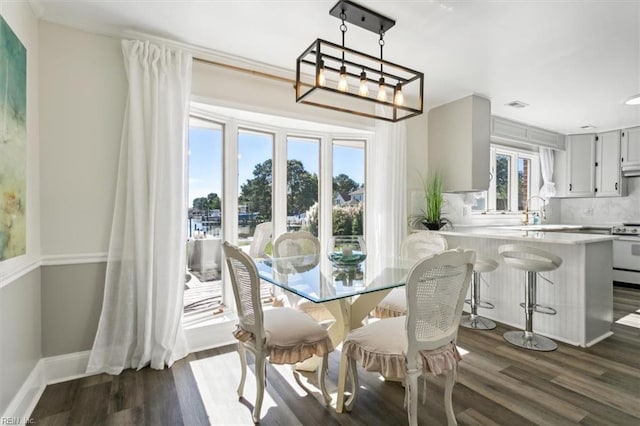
(532, 233)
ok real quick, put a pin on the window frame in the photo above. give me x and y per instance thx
(232, 125)
(533, 182)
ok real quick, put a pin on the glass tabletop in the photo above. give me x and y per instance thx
(322, 281)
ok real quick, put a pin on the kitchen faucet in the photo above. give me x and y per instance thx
(542, 211)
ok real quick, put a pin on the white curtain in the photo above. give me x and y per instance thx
(386, 194)
(548, 188)
(140, 323)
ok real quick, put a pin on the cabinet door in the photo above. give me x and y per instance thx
(580, 164)
(630, 154)
(608, 171)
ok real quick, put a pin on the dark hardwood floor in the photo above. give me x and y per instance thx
(497, 384)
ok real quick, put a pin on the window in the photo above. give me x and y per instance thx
(348, 187)
(303, 163)
(203, 286)
(262, 168)
(255, 181)
(514, 179)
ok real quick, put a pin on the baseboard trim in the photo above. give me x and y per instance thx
(25, 400)
(66, 367)
(61, 368)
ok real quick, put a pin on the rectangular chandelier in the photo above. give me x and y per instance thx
(336, 77)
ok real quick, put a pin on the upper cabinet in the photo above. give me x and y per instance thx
(609, 181)
(459, 143)
(581, 153)
(630, 152)
(503, 130)
(592, 166)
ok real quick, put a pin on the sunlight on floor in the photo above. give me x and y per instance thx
(631, 320)
(213, 375)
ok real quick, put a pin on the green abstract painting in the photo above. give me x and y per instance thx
(13, 143)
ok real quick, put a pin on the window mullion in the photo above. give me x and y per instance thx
(279, 186)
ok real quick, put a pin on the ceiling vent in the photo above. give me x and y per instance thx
(517, 104)
(588, 127)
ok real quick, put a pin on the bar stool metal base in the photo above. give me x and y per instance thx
(530, 340)
(477, 322)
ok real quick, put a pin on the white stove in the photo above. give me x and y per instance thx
(630, 229)
(626, 253)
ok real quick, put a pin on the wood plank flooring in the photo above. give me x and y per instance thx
(498, 384)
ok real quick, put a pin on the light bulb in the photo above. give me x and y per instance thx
(398, 99)
(343, 86)
(382, 91)
(321, 79)
(364, 89)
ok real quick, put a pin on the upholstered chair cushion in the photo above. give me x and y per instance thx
(387, 356)
(393, 305)
(291, 336)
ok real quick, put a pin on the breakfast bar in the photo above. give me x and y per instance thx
(580, 290)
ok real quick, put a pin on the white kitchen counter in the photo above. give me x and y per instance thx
(533, 233)
(582, 289)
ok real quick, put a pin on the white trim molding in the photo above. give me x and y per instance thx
(12, 276)
(73, 259)
(25, 400)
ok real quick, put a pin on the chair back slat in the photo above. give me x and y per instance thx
(436, 288)
(246, 291)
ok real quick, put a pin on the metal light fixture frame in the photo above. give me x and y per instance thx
(326, 57)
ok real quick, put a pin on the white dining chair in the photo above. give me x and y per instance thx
(306, 247)
(283, 335)
(424, 340)
(415, 246)
(261, 238)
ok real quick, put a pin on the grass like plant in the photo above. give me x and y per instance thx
(433, 199)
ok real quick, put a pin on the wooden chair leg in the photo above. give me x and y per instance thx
(342, 381)
(355, 385)
(322, 374)
(411, 389)
(448, 394)
(260, 385)
(243, 366)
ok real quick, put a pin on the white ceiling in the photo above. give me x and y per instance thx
(574, 62)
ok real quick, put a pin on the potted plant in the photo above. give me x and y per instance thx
(433, 200)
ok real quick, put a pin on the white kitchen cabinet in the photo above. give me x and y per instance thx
(504, 130)
(630, 151)
(607, 165)
(459, 134)
(581, 153)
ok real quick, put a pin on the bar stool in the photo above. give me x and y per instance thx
(473, 320)
(532, 260)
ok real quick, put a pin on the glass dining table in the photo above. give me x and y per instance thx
(349, 294)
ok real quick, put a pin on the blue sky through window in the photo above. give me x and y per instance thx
(205, 159)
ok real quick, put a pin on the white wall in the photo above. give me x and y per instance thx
(20, 333)
(83, 96)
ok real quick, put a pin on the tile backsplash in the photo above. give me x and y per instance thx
(605, 210)
(578, 211)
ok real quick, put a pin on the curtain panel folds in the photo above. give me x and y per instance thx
(386, 194)
(140, 323)
(548, 188)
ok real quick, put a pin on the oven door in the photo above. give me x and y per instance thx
(626, 259)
